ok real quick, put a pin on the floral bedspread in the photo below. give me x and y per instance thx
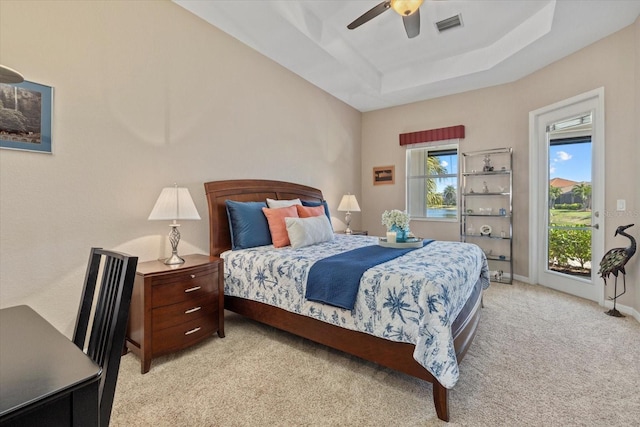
(414, 298)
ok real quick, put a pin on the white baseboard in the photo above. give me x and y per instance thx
(521, 279)
(624, 309)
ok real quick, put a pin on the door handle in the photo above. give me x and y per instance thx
(596, 226)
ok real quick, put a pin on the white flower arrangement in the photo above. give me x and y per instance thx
(396, 217)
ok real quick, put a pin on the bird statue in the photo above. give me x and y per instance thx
(613, 262)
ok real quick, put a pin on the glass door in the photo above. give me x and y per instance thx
(569, 204)
(567, 220)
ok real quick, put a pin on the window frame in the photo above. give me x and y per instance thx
(430, 148)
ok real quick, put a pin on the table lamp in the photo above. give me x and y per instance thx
(348, 204)
(173, 204)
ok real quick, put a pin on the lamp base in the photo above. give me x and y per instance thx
(347, 219)
(174, 239)
(173, 260)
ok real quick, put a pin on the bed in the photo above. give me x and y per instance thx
(343, 329)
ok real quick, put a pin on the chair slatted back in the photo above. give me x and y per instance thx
(107, 313)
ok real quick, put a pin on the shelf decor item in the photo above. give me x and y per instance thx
(487, 163)
(485, 230)
(397, 221)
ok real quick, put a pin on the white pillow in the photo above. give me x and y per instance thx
(308, 231)
(273, 203)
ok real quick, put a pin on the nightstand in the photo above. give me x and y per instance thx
(175, 306)
(355, 232)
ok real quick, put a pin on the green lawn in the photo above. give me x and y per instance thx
(569, 217)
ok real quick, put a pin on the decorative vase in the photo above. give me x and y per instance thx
(401, 233)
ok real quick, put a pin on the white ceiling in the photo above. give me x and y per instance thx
(376, 66)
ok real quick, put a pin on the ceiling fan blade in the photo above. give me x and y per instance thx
(412, 24)
(368, 16)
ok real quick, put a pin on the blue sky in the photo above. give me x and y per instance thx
(570, 161)
(450, 162)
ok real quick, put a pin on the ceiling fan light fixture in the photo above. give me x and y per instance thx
(406, 7)
(9, 75)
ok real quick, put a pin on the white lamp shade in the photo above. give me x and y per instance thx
(349, 204)
(174, 203)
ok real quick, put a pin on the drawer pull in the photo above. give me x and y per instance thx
(195, 288)
(193, 276)
(194, 330)
(192, 310)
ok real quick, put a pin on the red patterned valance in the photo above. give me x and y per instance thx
(440, 134)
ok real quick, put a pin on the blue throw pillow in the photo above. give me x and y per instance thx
(322, 203)
(248, 225)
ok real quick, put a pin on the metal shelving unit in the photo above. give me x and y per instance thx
(486, 202)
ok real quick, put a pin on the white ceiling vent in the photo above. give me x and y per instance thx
(445, 24)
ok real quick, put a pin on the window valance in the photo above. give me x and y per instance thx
(440, 134)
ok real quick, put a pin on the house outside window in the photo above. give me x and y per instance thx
(432, 182)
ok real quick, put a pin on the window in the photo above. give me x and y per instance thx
(432, 182)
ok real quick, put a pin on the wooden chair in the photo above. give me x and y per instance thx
(111, 274)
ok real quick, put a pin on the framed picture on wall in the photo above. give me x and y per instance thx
(383, 175)
(25, 116)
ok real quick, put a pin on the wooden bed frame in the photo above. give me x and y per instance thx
(394, 355)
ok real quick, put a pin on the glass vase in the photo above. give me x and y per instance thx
(401, 233)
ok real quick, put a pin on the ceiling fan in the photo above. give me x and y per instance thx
(408, 9)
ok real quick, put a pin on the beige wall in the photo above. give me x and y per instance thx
(146, 95)
(498, 117)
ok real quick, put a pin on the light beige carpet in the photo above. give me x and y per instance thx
(540, 358)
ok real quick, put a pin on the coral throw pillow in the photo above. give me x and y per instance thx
(308, 211)
(277, 226)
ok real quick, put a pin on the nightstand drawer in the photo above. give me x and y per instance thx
(183, 335)
(186, 275)
(176, 314)
(190, 288)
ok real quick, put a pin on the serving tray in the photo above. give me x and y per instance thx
(412, 242)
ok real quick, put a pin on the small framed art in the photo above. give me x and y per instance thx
(384, 175)
(26, 111)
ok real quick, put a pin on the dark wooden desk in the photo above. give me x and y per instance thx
(45, 380)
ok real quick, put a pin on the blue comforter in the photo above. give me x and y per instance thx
(335, 280)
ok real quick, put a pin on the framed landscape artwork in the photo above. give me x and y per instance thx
(25, 116)
(384, 175)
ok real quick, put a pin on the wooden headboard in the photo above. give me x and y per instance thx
(246, 190)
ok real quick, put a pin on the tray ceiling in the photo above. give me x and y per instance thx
(376, 66)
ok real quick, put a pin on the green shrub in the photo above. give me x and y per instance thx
(569, 206)
(565, 245)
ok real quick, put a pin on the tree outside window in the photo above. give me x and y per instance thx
(432, 182)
